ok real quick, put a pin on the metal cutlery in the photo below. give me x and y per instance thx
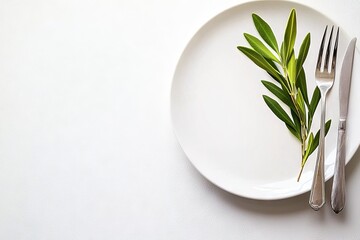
(324, 75)
(338, 187)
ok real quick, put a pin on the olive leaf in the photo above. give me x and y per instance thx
(282, 52)
(301, 105)
(303, 52)
(273, 64)
(292, 69)
(278, 111)
(313, 105)
(258, 60)
(279, 93)
(308, 148)
(293, 131)
(265, 32)
(259, 47)
(317, 136)
(314, 101)
(290, 34)
(301, 84)
(297, 124)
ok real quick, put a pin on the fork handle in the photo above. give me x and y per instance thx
(338, 187)
(317, 195)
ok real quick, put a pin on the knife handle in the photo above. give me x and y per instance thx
(338, 187)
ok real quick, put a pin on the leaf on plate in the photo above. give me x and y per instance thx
(290, 34)
(301, 84)
(317, 136)
(314, 101)
(279, 78)
(297, 123)
(259, 60)
(282, 53)
(293, 131)
(303, 52)
(271, 62)
(308, 148)
(265, 32)
(279, 93)
(301, 105)
(278, 111)
(292, 69)
(259, 47)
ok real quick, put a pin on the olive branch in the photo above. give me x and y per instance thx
(290, 87)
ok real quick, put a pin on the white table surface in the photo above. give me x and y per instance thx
(87, 150)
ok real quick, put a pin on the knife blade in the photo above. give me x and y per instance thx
(338, 187)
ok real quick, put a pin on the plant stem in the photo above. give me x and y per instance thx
(301, 170)
(303, 149)
(304, 129)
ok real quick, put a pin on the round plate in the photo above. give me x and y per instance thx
(221, 120)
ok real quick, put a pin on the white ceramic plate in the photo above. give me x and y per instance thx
(219, 116)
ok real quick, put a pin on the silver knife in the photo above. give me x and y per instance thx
(338, 187)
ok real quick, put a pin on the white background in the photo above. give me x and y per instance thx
(87, 150)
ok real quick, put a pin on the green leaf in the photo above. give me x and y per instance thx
(313, 105)
(285, 87)
(279, 93)
(293, 132)
(292, 69)
(303, 52)
(314, 101)
(278, 111)
(272, 64)
(265, 32)
(308, 148)
(297, 123)
(301, 84)
(259, 60)
(301, 105)
(290, 34)
(279, 78)
(317, 136)
(282, 52)
(259, 47)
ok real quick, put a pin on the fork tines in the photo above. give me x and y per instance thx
(323, 63)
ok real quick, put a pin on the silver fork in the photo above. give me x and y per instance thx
(324, 80)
